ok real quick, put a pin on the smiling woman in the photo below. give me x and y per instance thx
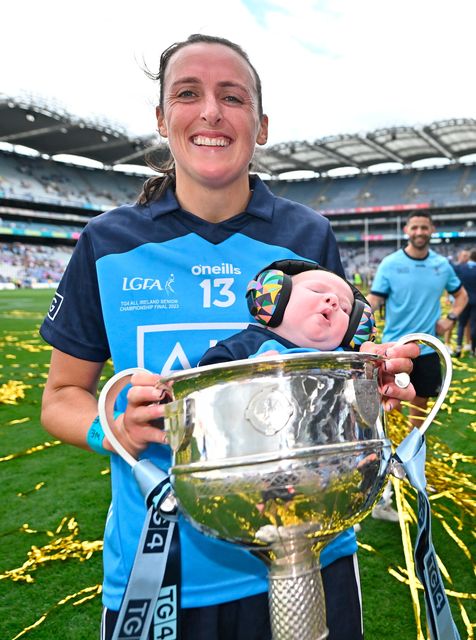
(188, 247)
(211, 112)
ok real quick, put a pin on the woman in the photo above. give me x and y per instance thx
(154, 285)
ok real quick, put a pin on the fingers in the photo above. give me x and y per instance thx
(397, 365)
(142, 422)
(394, 383)
(144, 395)
(144, 379)
(392, 350)
(408, 350)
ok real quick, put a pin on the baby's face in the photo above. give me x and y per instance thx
(317, 314)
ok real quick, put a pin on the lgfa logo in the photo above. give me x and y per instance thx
(148, 284)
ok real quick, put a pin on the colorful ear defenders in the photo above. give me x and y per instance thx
(268, 294)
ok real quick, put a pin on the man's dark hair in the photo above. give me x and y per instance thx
(419, 214)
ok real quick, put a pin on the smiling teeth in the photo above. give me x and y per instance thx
(210, 142)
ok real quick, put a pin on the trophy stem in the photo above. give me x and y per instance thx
(296, 595)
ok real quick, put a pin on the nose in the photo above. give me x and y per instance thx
(331, 299)
(211, 110)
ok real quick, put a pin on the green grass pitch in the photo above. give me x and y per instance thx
(54, 501)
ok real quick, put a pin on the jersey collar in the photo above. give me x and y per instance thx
(261, 204)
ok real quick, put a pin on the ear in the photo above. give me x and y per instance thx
(262, 136)
(161, 127)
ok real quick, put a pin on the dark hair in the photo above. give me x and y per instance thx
(419, 214)
(472, 255)
(155, 186)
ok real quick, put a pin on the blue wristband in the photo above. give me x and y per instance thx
(95, 437)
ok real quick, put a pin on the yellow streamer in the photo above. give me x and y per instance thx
(92, 592)
(28, 452)
(60, 548)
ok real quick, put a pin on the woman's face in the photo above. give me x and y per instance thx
(210, 115)
(318, 312)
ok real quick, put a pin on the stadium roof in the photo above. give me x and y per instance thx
(51, 130)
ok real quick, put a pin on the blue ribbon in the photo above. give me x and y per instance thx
(412, 455)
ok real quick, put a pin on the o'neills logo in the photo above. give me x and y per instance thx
(148, 284)
(225, 268)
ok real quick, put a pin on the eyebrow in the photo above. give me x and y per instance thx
(223, 83)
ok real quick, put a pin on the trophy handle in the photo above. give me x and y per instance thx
(438, 346)
(106, 401)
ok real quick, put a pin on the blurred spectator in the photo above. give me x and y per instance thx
(466, 271)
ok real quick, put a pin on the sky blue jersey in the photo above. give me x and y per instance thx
(412, 289)
(155, 286)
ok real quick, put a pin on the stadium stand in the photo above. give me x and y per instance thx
(45, 203)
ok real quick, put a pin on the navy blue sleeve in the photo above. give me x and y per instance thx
(74, 323)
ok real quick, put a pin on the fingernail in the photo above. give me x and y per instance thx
(386, 390)
(388, 405)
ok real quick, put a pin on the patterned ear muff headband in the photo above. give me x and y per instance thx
(268, 294)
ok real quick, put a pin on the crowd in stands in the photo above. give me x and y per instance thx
(40, 180)
(36, 179)
(26, 265)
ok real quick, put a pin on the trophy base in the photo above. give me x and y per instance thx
(296, 594)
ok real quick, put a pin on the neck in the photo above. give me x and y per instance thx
(213, 204)
(413, 252)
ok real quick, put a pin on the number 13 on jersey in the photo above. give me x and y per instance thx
(218, 292)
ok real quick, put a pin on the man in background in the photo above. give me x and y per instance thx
(410, 282)
(463, 338)
(466, 272)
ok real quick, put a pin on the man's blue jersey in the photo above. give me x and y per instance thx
(155, 286)
(412, 289)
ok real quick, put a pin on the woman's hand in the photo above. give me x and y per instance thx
(135, 428)
(399, 360)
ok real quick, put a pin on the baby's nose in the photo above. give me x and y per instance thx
(331, 299)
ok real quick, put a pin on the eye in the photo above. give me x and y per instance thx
(346, 307)
(233, 99)
(186, 93)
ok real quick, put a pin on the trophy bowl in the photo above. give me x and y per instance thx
(278, 454)
(286, 445)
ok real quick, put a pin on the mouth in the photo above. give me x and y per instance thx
(325, 315)
(205, 141)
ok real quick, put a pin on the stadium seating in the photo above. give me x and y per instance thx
(49, 202)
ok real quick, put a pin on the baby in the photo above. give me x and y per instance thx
(299, 306)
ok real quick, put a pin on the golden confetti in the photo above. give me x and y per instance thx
(445, 482)
(92, 592)
(62, 547)
(28, 452)
(37, 487)
(12, 390)
(19, 421)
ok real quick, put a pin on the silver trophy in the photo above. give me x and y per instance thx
(279, 455)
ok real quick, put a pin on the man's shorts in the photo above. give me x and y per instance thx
(426, 375)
